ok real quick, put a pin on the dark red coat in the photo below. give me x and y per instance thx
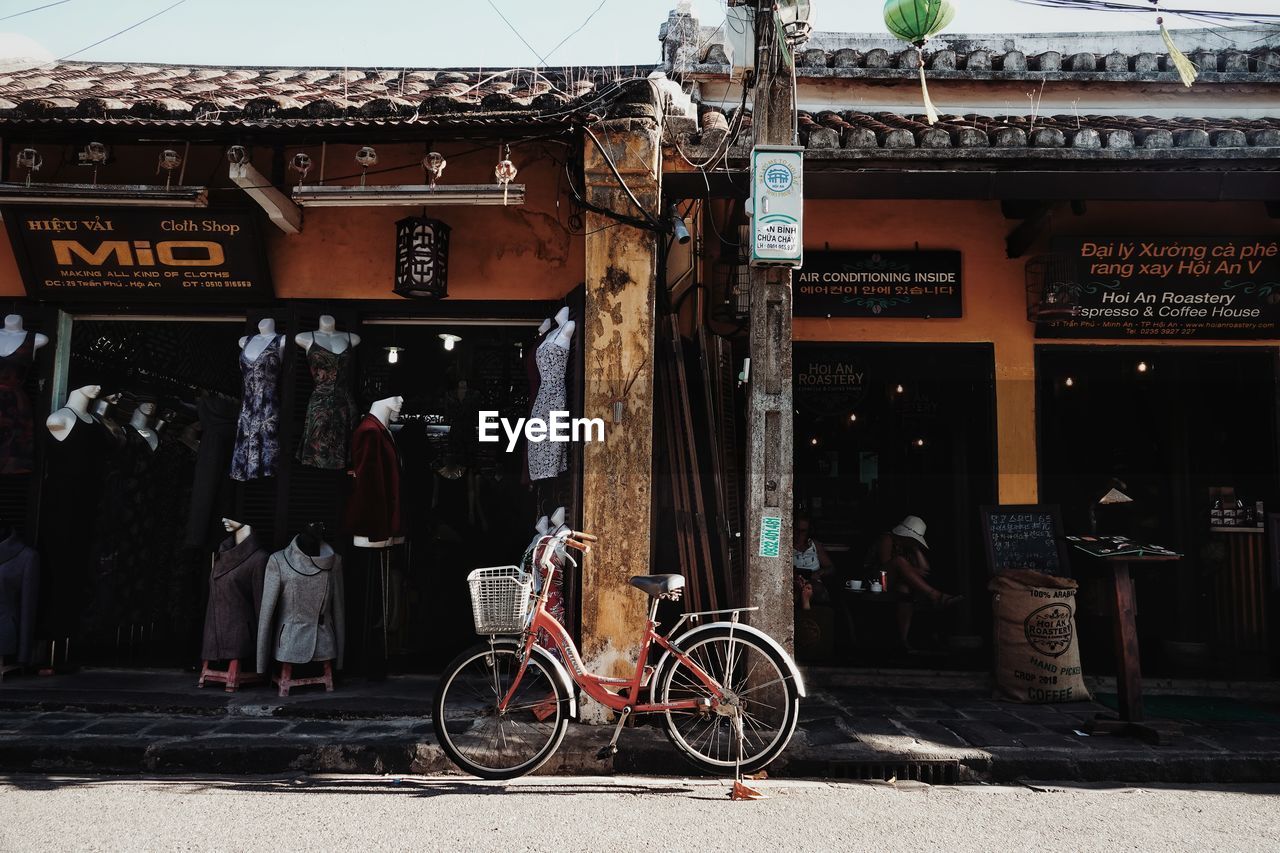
(374, 508)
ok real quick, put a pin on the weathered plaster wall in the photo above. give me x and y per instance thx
(516, 252)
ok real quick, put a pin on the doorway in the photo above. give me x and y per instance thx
(883, 431)
(1179, 432)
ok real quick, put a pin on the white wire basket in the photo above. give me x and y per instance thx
(500, 599)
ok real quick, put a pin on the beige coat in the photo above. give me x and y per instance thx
(303, 614)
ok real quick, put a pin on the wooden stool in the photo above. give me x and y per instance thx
(232, 676)
(285, 680)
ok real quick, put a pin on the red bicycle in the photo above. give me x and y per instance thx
(729, 693)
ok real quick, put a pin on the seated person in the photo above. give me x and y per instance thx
(899, 553)
(812, 564)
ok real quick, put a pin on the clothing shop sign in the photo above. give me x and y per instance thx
(879, 284)
(155, 254)
(1165, 287)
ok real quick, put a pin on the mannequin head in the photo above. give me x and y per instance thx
(387, 410)
(327, 323)
(13, 322)
(267, 326)
(239, 529)
(562, 316)
(543, 525)
(89, 392)
(557, 518)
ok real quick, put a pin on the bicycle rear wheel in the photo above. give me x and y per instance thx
(760, 692)
(494, 745)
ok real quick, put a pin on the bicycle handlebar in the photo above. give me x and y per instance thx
(583, 537)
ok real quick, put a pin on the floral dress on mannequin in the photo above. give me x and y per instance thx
(331, 412)
(257, 448)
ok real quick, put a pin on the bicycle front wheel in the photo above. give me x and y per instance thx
(492, 744)
(760, 696)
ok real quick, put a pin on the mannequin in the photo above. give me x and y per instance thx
(143, 425)
(17, 427)
(231, 616)
(327, 336)
(257, 448)
(564, 335)
(557, 519)
(549, 459)
(104, 409)
(253, 346)
(75, 411)
(239, 530)
(331, 411)
(303, 614)
(373, 511)
(13, 335)
(545, 327)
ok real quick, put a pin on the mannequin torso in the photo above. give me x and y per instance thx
(327, 336)
(141, 423)
(385, 411)
(76, 411)
(254, 345)
(12, 336)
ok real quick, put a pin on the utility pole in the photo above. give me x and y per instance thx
(769, 400)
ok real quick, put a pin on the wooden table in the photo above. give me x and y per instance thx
(1131, 719)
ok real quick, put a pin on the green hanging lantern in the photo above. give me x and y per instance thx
(915, 22)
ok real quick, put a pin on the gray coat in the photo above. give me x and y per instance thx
(235, 598)
(19, 586)
(303, 614)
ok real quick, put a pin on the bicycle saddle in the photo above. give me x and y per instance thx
(658, 586)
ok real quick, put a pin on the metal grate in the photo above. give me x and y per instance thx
(940, 771)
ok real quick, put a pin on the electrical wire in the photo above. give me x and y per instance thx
(36, 9)
(122, 32)
(608, 159)
(1148, 8)
(580, 28)
(513, 29)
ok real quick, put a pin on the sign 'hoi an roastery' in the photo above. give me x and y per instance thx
(144, 255)
(1162, 287)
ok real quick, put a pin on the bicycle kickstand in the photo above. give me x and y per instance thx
(607, 752)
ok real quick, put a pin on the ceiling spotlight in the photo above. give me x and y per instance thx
(449, 341)
(365, 158)
(1069, 382)
(853, 417)
(899, 390)
(1143, 367)
(237, 155)
(434, 163)
(301, 164)
(393, 354)
(814, 442)
(31, 160)
(919, 442)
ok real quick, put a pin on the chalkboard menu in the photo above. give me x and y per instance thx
(1024, 537)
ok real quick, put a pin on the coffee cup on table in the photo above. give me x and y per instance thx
(856, 586)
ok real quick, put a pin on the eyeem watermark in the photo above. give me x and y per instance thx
(559, 427)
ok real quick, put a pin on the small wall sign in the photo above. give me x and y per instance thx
(879, 284)
(770, 536)
(777, 206)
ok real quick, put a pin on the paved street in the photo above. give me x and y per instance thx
(570, 813)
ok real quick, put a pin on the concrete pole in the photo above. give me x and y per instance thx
(618, 325)
(769, 400)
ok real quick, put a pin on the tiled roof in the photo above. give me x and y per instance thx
(135, 93)
(1223, 55)
(859, 135)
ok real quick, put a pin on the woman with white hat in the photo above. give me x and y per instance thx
(900, 554)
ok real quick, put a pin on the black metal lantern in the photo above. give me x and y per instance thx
(422, 258)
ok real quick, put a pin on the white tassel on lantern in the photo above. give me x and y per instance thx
(1186, 68)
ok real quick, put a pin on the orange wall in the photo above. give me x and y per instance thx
(516, 252)
(994, 288)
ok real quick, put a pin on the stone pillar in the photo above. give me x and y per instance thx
(618, 339)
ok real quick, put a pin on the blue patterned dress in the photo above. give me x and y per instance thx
(257, 433)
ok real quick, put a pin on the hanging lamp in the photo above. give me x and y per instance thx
(915, 22)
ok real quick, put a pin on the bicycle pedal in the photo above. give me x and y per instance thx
(606, 752)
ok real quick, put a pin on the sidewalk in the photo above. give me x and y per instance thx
(129, 722)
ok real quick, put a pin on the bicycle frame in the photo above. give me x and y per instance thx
(596, 686)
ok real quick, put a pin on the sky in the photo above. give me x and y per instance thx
(442, 33)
